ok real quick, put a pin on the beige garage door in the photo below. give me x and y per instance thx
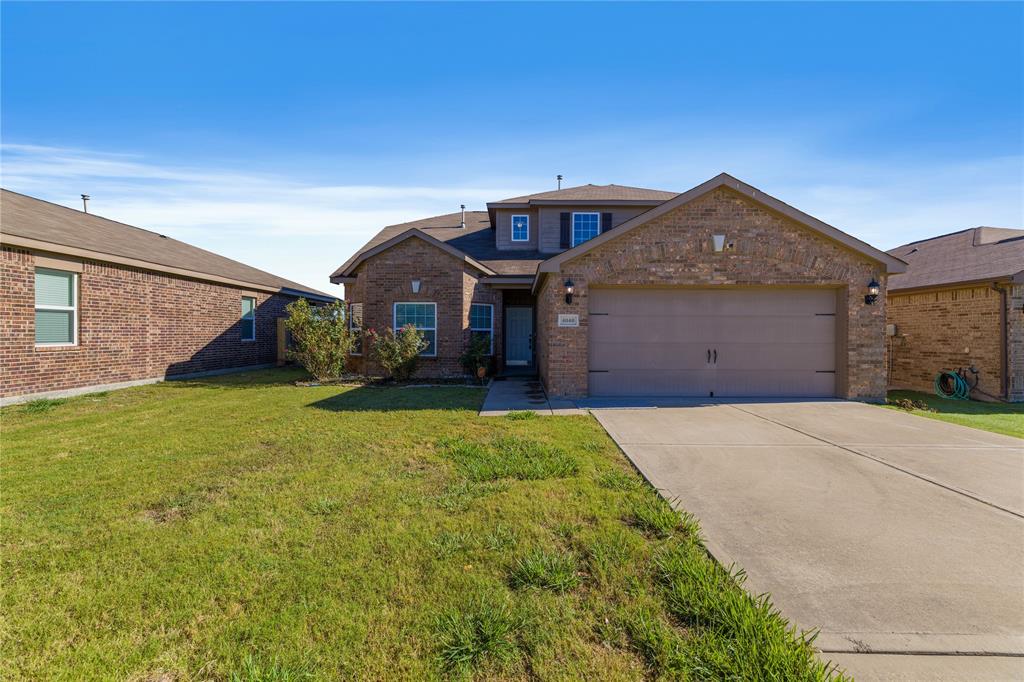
(713, 342)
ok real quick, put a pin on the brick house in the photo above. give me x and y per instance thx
(960, 304)
(611, 290)
(92, 304)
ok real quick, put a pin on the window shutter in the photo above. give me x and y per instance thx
(606, 222)
(566, 240)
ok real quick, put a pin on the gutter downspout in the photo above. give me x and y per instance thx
(1004, 338)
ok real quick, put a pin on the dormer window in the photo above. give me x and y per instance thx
(520, 228)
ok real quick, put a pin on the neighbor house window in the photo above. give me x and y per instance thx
(423, 316)
(248, 318)
(355, 326)
(481, 323)
(585, 226)
(56, 307)
(520, 228)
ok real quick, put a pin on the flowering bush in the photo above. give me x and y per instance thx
(321, 340)
(397, 352)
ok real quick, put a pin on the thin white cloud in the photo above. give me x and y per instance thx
(303, 231)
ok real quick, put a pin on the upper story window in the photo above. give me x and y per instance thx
(423, 316)
(585, 226)
(520, 228)
(248, 318)
(56, 307)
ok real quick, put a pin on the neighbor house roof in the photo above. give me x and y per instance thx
(892, 264)
(36, 224)
(474, 243)
(591, 194)
(972, 255)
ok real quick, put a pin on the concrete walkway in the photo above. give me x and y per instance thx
(900, 537)
(519, 394)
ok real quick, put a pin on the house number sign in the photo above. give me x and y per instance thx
(568, 320)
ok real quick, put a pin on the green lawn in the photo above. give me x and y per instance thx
(244, 528)
(1005, 418)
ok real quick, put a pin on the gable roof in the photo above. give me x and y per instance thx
(475, 242)
(33, 223)
(592, 193)
(891, 263)
(975, 254)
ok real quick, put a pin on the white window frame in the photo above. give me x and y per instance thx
(396, 328)
(489, 330)
(350, 319)
(572, 227)
(245, 340)
(73, 309)
(512, 227)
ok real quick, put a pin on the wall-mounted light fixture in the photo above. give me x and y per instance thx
(719, 240)
(570, 289)
(415, 286)
(873, 288)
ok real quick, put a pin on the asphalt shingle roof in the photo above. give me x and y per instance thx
(978, 253)
(595, 193)
(32, 218)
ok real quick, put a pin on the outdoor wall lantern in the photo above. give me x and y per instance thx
(872, 295)
(415, 286)
(570, 288)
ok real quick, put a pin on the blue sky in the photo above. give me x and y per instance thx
(285, 135)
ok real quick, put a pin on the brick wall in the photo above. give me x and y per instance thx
(445, 280)
(676, 249)
(1015, 347)
(944, 330)
(133, 324)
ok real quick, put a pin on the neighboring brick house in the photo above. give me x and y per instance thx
(960, 304)
(91, 304)
(610, 290)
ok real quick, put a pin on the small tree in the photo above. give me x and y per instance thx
(477, 359)
(321, 340)
(397, 352)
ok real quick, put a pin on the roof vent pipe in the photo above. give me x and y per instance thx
(463, 207)
(85, 203)
(559, 181)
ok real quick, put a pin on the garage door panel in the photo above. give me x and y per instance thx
(770, 342)
(685, 383)
(625, 355)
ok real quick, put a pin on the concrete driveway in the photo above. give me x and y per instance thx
(899, 537)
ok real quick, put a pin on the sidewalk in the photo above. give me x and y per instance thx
(517, 394)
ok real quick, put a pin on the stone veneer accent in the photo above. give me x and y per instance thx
(676, 249)
(445, 280)
(133, 324)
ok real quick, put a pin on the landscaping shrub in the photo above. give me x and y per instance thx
(477, 360)
(321, 340)
(398, 352)
(558, 571)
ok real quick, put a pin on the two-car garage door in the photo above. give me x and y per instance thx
(729, 342)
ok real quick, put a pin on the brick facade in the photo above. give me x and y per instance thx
(675, 249)
(133, 325)
(453, 285)
(949, 328)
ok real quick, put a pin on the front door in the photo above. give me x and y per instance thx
(518, 336)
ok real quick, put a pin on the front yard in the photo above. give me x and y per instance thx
(245, 528)
(1004, 418)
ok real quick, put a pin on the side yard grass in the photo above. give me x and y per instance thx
(1004, 418)
(243, 528)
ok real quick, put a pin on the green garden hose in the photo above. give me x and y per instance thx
(951, 385)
